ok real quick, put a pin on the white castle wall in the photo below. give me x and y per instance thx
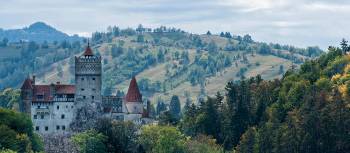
(134, 107)
(52, 117)
(42, 117)
(63, 116)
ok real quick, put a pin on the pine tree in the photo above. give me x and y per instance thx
(247, 142)
(175, 107)
(208, 33)
(188, 124)
(344, 46)
(209, 121)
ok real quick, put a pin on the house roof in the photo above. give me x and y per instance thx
(133, 94)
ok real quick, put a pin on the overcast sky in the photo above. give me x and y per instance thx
(296, 22)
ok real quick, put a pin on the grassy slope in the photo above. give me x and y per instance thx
(268, 68)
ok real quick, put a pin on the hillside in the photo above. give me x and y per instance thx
(306, 111)
(38, 32)
(172, 62)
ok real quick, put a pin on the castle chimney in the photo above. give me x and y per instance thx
(52, 89)
(33, 80)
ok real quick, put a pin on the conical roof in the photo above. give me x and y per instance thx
(88, 51)
(27, 84)
(133, 94)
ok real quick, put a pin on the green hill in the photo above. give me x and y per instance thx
(168, 61)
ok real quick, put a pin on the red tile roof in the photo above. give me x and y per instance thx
(88, 51)
(65, 89)
(46, 92)
(43, 90)
(133, 94)
(27, 84)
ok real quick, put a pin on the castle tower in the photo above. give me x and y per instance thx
(88, 75)
(133, 99)
(27, 95)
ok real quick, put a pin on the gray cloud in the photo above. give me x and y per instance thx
(297, 22)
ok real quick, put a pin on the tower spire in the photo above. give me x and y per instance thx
(88, 51)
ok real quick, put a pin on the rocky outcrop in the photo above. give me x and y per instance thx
(59, 144)
(86, 117)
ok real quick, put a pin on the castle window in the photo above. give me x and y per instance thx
(62, 116)
(57, 127)
(82, 79)
(84, 97)
(63, 127)
(37, 128)
(42, 116)
(46, 128)
(38, 106)
(58, 107)
(93, 78)
(71, 106)
(92, 97)
(40, 97)
(35, 116)
(93, 89)
(66, 106)
(82, 89)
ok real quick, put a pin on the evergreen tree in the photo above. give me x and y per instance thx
(222, 34)
(188, 123)
(344, 46)
(140, 38)
(212, 47)
(175, 106)
(161, 107)
(247, 142)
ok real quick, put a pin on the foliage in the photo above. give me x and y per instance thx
(9, 98)
(203, 144)
(306, 111)
(120, 136)
(7, 151)
(90, 141)
(162, 139)
(17, 131)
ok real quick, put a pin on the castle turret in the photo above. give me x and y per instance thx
(88, 77)
(27, 95)
(133, 99)
(88, 99)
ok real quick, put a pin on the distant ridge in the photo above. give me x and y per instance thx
(38, 32)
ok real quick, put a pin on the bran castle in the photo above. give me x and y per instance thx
(62, 108)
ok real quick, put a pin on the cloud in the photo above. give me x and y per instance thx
(296, 22)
